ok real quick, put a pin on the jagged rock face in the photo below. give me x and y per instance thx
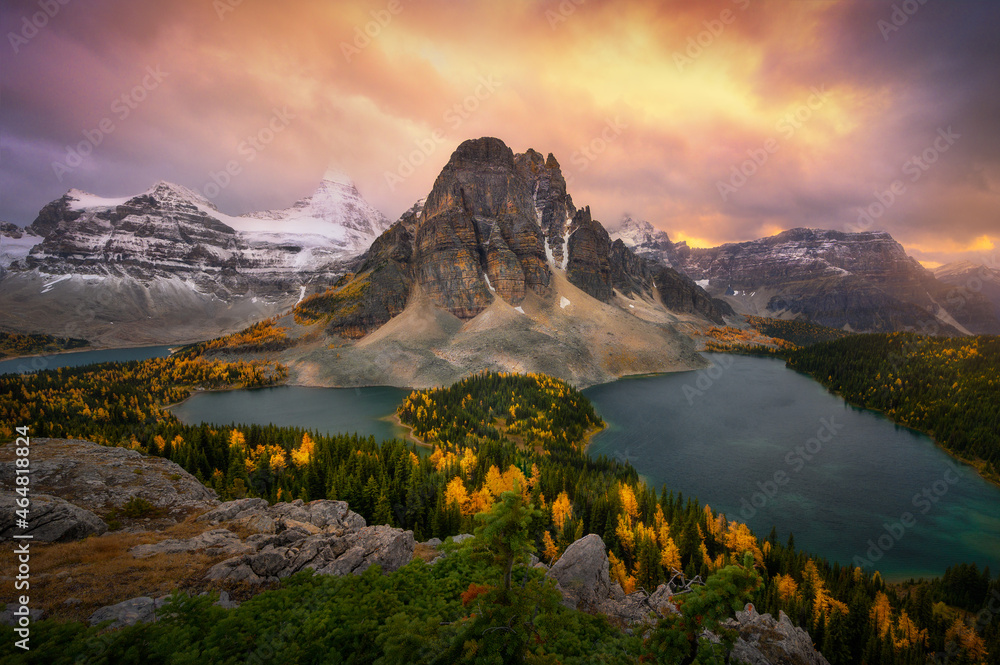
(479, 220)
(15, 244)
(168, 260)
(589, 265)
(679, 294)
(554, 207)
(363, 301)
(170, 230)
(855, 304)
(142, 235)
(964, 278)
(494, 224)
(630, 274)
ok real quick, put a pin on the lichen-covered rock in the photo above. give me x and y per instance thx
(50, 519)
(764, 641)
(233, 509)
(582, 577)
(582, 573)
(129, 612)
(100, 478)
(325, 536)
(327, 553)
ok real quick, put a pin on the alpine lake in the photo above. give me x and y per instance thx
(750, 437)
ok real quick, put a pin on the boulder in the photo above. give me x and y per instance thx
(582, 577)
(257, 516)
(764, 641)
(9, 618)
(325, 536)
(50, 519)
(582, 573)
(129, 612)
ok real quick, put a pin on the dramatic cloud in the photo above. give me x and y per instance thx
(716, 121)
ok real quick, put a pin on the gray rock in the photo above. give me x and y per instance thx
(225, 603)
(129, 612)
(433, 542)
(214, 543)
(50, 519)
(764, 641)
(256, 515)
(8, 618)
(232, 509)
(100, 478)
(461, 538)
(328, 553)
(258, 524)
(660, 600)
(582, 573)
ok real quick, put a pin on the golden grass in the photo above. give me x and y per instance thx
(425, 552)
(100, 571)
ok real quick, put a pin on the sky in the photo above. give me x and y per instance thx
(715, 120)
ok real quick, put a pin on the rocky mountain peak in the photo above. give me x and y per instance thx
(486, 152)
(648, 241)
(495, 224)
(173, 194)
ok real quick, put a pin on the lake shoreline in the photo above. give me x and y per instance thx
(992, 479)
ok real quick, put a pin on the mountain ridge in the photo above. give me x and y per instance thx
(864, 282)
(164, 263)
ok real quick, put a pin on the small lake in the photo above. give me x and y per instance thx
(77, 358)
(331, 410)
(771, 447)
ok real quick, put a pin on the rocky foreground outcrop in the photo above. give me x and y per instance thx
(582, 577)
(764, 641)
(75, 482)
(51, 520)
(323, 536)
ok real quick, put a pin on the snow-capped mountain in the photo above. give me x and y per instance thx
(15, 243)
(169, 249)
(649, 242)
(169, 229)
(335, 211)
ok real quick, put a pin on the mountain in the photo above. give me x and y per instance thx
(971, 278)
(166, 265)
(854, 281)
(649, 242)
(15, 243)
(498, 269)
